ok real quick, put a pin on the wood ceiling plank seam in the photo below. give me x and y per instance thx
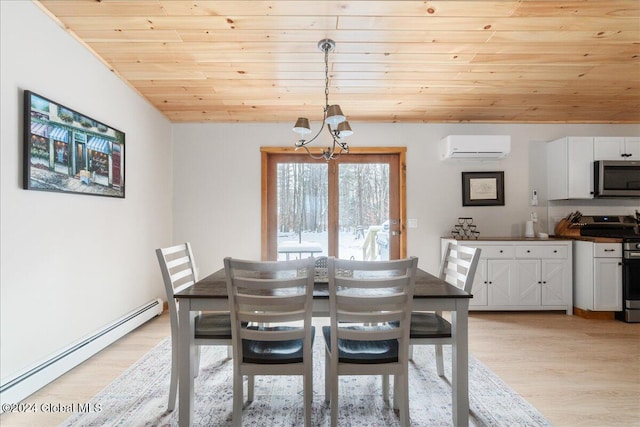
(235, 85)
(493, 23)
(240, 52)
(579, 8)
(183, 8)
(203, 22)
(311, 37)
(409, 8)
(248, 69)
(351, 23)
(95, 37)
(70, 8)
(509, 9)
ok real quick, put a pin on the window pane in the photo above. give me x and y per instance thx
(364, 211)
(302, 210)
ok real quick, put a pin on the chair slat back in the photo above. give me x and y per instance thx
(178, 267)
(269, 292)
(459, 264)
(371, 292)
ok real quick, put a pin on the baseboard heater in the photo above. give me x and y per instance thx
(32, 379)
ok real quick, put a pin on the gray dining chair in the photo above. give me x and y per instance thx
(179, 271)
(458, 268)
(271, 305)
(370, 311)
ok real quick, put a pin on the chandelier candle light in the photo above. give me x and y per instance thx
(336, 122)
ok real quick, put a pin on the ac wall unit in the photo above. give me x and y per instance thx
(475, 147)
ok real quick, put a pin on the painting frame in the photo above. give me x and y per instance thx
(69, 152)
(483, 188)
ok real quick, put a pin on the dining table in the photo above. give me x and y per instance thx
(430, 294)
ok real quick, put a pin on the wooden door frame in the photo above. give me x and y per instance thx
(266, 152)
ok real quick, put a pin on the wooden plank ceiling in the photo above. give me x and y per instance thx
(527, 61)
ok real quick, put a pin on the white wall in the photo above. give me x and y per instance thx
(69, 264)
(217, 181)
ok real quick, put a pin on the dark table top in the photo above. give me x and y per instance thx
(427, 286)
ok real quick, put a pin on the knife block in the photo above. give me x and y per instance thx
(566, 228)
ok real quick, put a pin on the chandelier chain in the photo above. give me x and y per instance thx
(326, 76)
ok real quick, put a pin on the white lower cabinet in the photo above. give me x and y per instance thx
(500, 289)
(522, 275)
(598, 276)
(608, 284)
(541, 282)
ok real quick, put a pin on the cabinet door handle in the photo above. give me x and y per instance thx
(528, 251)
(555, 251)
(609, 250)
(501, 251)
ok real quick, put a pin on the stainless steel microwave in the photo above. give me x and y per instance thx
(616, 178)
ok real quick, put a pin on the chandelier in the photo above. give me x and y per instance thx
(336, 122)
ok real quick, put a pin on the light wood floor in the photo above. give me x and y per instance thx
(577, 372)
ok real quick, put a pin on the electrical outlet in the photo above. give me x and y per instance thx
(412, 223)
(534, 216)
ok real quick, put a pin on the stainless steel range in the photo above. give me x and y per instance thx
(630, 280)
(625, 228)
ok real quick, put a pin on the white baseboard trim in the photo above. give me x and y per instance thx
(25, 383)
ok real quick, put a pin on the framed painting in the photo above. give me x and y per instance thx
(68, 152)
(482, 188)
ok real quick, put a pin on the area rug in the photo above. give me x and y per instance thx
(139, 396)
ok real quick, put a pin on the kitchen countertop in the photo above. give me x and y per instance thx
(544, 239)
(595, 239)
(513, 239)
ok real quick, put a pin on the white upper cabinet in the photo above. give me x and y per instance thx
(570, 168)
(616, 148)
(570, 162)
(632, 147)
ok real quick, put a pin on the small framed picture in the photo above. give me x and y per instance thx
(482, 188)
